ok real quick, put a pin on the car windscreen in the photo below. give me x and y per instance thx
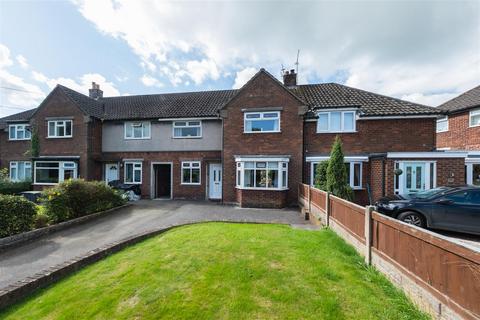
(426, 194)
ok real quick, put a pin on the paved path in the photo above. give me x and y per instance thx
(19, 263)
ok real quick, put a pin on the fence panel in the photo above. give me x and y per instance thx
(319, 198)
(350, 215)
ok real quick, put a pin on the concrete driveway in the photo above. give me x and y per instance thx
(145, 215)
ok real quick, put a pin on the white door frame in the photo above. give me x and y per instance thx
(105, 170)
(469, 169)
(152, 179)
(219, 165)
(427, 174)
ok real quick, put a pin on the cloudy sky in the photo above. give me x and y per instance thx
(422, 51)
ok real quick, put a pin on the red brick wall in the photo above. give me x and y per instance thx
(12, 150)
(261, 198)
(262, 92)
(375, 136)
(376, 178)
(459, 135)
(179, 191)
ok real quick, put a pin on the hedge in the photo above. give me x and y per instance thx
(12, 188)
(17, 215)
(75, 198)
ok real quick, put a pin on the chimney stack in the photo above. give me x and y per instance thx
(290, 78)
(95, 92)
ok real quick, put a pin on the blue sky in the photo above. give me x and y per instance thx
(426, 52)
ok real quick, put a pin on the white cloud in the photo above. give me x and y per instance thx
(83, 83)
(38, 76)
(398, 48)
(22, 61)
(5, 60)
(429, 99)
(243, 76)
(150, 81)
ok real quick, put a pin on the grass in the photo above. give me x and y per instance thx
(225, 271)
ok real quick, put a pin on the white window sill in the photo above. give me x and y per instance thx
(146, 138)
(45, 184)
(18, 139)
(66, 137)
(262, 189)
(190, 184)
(337, 131)
(132, 182)
(441, 131)
(262, 131)
(193, 137)
(475, 126)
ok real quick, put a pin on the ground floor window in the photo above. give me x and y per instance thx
(191, 172)
(52, 172)
(262, 174)
(354, 173)
(20, 170)
(472, 171)
(133, 172)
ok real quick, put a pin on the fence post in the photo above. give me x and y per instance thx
(368, 234)
(309, 199)
(327, 209)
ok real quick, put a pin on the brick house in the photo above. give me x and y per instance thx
(250, 146)
(459, 130)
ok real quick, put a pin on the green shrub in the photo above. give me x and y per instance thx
(41, 219)
(321, 175)
(16, 215)
(10, 187)
(75, 198)
(337, 179)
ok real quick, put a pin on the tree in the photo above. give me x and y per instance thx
(320, 180)
(337, 179)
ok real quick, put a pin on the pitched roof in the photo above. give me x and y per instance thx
(208, 103)
(334, 95)
(466, 100)
(21, 116)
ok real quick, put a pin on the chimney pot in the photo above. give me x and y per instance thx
(290, 78)
(95, 92)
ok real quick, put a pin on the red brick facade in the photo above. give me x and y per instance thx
(12, 150)
(460, 136)
(261, 92)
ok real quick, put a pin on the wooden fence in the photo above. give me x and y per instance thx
(440, 276)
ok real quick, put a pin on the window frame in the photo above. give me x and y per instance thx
(61, 171)
(25, 127)
(342, 121)
(440, 120)
(191, 167)
(136, 123)
(187, 122)
(282, 166)
(261, 113)
(134, 163)
(471, 114)
(64, 125)
(26, 164)
(351, 178)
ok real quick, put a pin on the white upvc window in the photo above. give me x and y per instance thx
(354, 173)
(133, 172)
(19, 132)
(474, 118)
(262, 122)
(262, 174)
(191, 172)
(336, 121)
(53, 172)
(60, 129)
(20, 170)
(442, 124)
(137, 130)
(187, 129)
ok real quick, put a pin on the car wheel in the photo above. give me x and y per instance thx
(414, 218)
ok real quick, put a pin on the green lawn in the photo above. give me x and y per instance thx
(225, 271)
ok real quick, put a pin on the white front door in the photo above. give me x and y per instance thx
(414, 177)
(215, 181)
(111, 172)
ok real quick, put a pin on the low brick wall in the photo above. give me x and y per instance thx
(262, 198)
(24, 237)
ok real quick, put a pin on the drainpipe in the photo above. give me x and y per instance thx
(383, 176)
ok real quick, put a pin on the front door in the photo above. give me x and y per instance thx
(111, 172)
(414, 177)
(163, 180)
(215, 181)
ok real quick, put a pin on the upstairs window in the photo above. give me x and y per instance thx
(19, 132)
(262, 122)
(20, 170)
(133, 172)
(442, 124)
(137, 130)
(60, 129)
(191, 172)
(187, 129)
(336, 121)
(475, 118)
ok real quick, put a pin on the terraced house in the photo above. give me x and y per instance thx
(250, 146)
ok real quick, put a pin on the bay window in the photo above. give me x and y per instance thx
(19, 132)
(262, 174)
(20, 170)
(60, 129)
(262, 121)
(336, 121)
(191, 172)
(187, 129)
(133, 172)
(52, 172)
(137, 130)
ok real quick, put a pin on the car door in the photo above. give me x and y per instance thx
(459, 211)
